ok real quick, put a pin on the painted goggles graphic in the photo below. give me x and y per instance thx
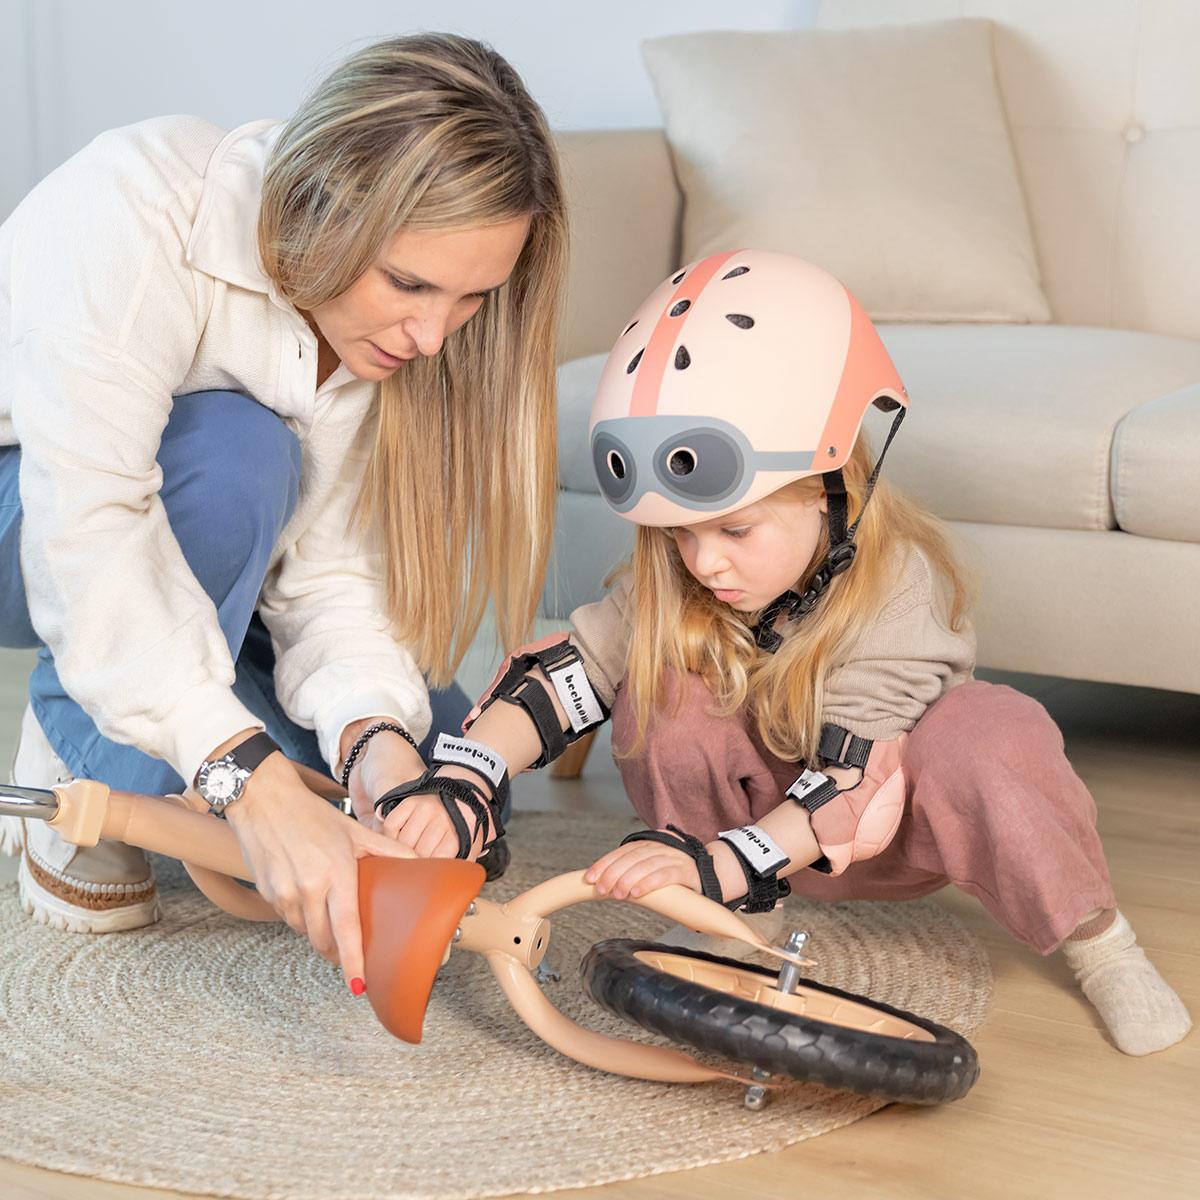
(699, 462)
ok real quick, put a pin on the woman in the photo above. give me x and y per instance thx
(276, 423)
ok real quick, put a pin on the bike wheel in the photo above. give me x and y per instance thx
(816, 1033)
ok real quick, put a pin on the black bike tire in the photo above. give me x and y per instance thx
(781, 1042)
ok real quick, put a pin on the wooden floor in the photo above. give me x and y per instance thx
(1058, 1111)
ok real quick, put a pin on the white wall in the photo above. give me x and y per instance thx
(17, 164)
(72, 68)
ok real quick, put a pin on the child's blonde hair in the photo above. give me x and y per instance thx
(678, 625)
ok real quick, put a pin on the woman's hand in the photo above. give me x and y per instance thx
(386, 761)
(633, 870)
(304, 857)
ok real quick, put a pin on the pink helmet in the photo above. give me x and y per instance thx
(740, 373)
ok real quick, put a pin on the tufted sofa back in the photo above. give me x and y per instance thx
(1103, 103)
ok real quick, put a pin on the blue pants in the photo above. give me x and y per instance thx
(226, 534)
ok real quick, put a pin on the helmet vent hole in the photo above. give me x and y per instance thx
(679, 277)
(679, 309)
(740, 320)
(736, 272)
(683, 359)
(681, 462)
(616, 464)
(628, 327)
(633, 362)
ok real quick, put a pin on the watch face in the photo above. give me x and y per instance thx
(222, 782)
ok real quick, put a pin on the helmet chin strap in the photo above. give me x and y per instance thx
(842, 549)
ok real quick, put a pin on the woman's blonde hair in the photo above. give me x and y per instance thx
(679, 625)
(435, 132)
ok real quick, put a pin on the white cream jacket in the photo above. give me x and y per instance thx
(128, 276)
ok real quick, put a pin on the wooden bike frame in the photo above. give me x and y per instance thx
(413, 910)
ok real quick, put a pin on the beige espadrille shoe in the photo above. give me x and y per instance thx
(79, 889)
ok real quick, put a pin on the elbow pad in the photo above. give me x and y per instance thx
(857, 822)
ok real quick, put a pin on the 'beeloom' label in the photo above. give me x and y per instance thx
(577, 697)
(807, 783)
(758, 848)
(471, 754)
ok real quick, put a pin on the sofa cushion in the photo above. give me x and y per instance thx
(1102, 99)
(880, 154)
(1156, 479)
(623, 208)
(589, 541)
(1008, 424)
(577, 383)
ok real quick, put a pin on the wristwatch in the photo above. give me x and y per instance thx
(222, 780)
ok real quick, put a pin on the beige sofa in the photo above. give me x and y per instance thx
(1065, 456)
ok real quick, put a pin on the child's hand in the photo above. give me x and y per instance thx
(421, 821)
(541, 644)
(640, 867)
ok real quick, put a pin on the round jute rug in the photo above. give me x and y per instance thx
(214, 1056)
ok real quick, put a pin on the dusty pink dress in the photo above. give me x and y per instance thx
(993, 805)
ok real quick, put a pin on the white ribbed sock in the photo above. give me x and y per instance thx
(1140, 1008)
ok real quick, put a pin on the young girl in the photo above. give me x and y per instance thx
(788, 662)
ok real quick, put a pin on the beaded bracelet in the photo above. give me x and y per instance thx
(364, 737)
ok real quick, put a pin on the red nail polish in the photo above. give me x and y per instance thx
(357, 986)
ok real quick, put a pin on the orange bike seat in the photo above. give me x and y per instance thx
(409, 908)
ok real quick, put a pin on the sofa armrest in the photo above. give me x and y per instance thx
(1155, 483)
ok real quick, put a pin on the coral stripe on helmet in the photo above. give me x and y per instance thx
(868, 371)
(660, 347)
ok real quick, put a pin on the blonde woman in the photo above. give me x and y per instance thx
(276, 423)
(788, 661)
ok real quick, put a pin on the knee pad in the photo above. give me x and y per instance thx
(858, 822)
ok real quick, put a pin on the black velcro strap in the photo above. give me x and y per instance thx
(836, 504)
(710, 885)
(464, 835)
(762, 891)
(448, 791)
(555, 653)
(811, 798)
(499, 798)
(471, 795)
(583, 716)
(841, 748)
(533, 698)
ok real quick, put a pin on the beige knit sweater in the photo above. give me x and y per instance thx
(900, 663)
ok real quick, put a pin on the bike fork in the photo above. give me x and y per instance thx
(789, 975)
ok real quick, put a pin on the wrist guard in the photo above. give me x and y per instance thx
(481, 760)
(563, 666)
(710, 885)
(448, 791)
(760, 859)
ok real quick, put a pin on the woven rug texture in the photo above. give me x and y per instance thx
(213, 1056)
